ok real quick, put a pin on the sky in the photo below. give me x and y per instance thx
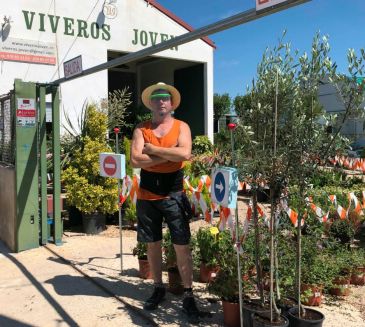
(240, 49)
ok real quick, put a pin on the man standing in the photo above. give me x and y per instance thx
(159, 147)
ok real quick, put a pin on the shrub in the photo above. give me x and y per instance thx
(202, 145)
(86, 189)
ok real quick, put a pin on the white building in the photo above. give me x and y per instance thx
(354, 127)
(37, 37)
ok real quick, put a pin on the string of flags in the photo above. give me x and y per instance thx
(348, 163)
(226, 215)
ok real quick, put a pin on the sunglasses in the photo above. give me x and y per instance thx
(160, 96)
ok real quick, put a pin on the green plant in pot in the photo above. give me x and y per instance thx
(225, 285)
(207, 247)
(92, 194)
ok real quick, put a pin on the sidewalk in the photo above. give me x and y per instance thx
(37, 288)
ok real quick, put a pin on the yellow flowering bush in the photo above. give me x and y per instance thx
(86, 189)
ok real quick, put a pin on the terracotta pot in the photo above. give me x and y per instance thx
(358, 276)
(175, 283)
(207, 273)
(315, 297)
(144, 269)
(341, 286)
(231, 314)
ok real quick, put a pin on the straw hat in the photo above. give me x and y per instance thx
(175, 94)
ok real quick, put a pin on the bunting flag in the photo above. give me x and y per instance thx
(203, 205)
(333, 199)
(352, 197)
(134, 188)
(293, 216)
(226, 219)
(126, 188)
(341, 212)
(246, 221)
(317, 210)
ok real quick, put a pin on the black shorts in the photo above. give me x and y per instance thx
(151, 214)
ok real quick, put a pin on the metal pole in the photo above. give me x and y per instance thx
(219, 26)
(116, 131)
(231, 127)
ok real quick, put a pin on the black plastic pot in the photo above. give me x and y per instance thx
(286, 304)
(258, 321)
(93, 223)
(312, 318)
(248, 309)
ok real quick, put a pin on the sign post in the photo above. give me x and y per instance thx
(113, 165)
(116, 131)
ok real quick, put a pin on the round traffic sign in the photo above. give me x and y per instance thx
(110, 165)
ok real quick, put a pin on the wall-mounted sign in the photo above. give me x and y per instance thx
(72, 67)
(35, 52)
(26, 113)
(110, 10)
(41, 22)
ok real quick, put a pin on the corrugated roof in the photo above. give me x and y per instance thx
(177, 20)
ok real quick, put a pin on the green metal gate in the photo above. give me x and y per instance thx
(23, 146)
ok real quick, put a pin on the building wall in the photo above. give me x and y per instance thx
(332, 103)
(7, 206)
(136, 26)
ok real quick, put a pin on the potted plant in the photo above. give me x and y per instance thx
(92, 194)
(317, 270)
(140, 250)
(358, 267)
(225, 286)
(342, 266)
(207, 247)
(130, 213)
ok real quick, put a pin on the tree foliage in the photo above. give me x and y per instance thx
(222, 105)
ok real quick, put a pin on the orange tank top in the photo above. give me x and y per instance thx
(167, 141)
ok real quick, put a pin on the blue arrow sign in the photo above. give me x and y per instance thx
(219, 186)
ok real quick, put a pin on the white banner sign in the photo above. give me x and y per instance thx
(35, 52)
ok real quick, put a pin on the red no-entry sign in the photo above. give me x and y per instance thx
(112, 165)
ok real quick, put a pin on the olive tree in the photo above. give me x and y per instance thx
(283, 135)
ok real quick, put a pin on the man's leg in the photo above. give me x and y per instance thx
(149, 230)
(185, 264)
(154, 254)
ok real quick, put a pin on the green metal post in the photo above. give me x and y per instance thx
(56, 166)
(26, 164)
(41, 90)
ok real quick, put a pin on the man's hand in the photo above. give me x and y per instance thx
(148, 149)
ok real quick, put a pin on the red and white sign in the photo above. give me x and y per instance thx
(36, 52)
(109, 165)
(26, 113)
(262, 4)
(112, 165)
